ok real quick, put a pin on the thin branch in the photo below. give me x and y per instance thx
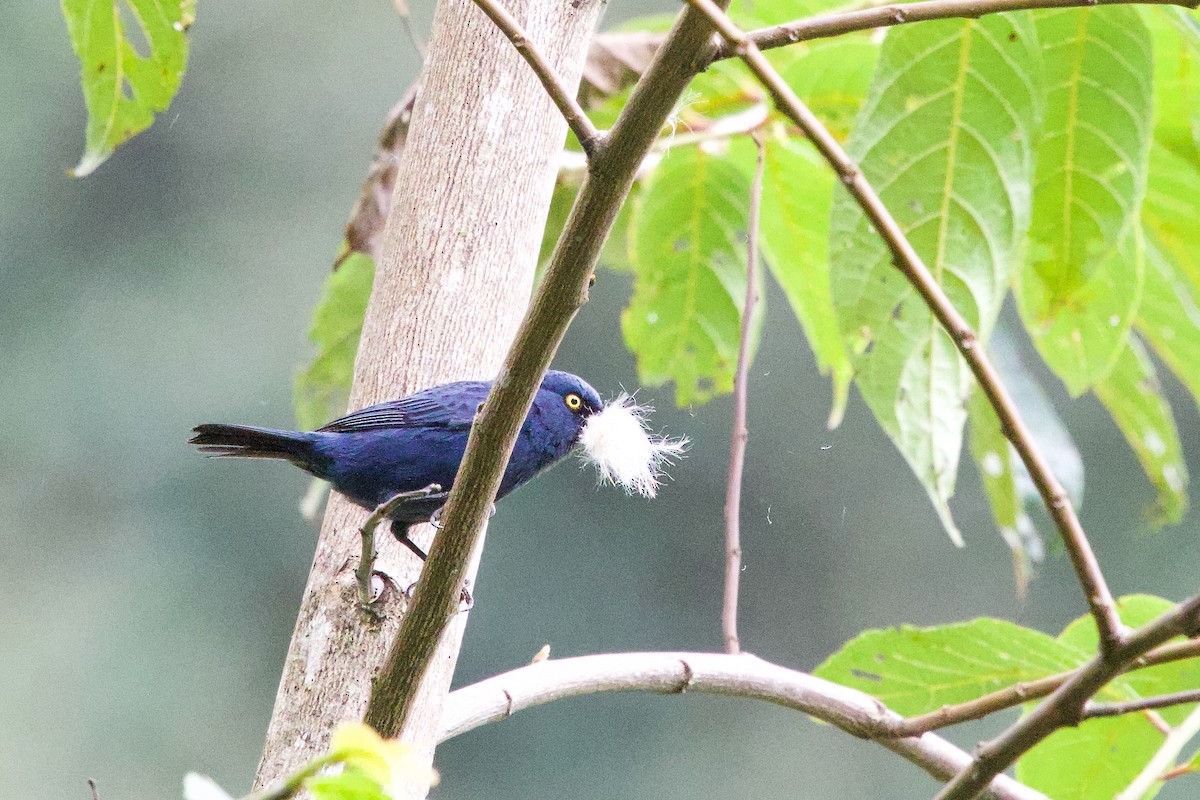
(1158, 765)
(1093, 710)
(910, 264)
(737, 443)
(1065, 706)
(558, 297)
(741, 675)
(589, 138)
(838, 23)
(1020, 693)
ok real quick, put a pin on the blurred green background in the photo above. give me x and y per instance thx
(148, 594)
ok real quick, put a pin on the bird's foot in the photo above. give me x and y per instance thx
(380, 583)
(466, 601)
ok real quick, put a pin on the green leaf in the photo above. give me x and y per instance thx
(323, 387)
(945, 139)
(560, 207)
(1176, 38)
(917, 670)
(1095, 760)
(1010, 490)
(124, 89)
(997, 463)
(1135, 401)
(771, 12)
(794, 226)
(832, 76)
(351, 784)
(1079, 290)
(687, 241)
(1171, 209)
(1169, 318)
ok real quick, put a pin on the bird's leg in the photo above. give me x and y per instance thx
(366, 562)
(409, 543)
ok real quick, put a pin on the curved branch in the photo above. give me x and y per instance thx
(911, 265)
(826, 26)
(741, 675)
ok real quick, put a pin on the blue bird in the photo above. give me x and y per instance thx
(406, 445)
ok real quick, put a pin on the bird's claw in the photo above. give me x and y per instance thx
(466, 601)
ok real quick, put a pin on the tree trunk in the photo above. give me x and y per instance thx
(472, 194)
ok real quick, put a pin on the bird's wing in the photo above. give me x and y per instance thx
(451, 406)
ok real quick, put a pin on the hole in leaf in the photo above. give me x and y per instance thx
(133, 30)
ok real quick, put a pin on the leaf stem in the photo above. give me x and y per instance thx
(1162, 760)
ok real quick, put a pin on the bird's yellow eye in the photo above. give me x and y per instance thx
(574, 401)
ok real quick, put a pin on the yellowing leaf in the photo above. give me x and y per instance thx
(389, 762)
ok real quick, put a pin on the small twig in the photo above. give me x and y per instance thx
(737, 443)
(1020, 693)
(1092, 710)
(910, 264)
(366, 561)
(742, 675)
(1157, 767)
(95, 792)
(838, 23)
(1065, 706)
(589, 138)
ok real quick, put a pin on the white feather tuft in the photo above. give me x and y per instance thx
(616, 440)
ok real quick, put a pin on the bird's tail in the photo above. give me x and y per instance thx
(243, 441)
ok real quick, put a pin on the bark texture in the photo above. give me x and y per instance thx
(472, 193)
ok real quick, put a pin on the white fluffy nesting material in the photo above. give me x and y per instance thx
(618, 442)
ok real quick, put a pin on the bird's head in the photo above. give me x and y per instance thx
(615, 437)
(577, 395)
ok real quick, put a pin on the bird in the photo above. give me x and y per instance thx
(414, 445)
